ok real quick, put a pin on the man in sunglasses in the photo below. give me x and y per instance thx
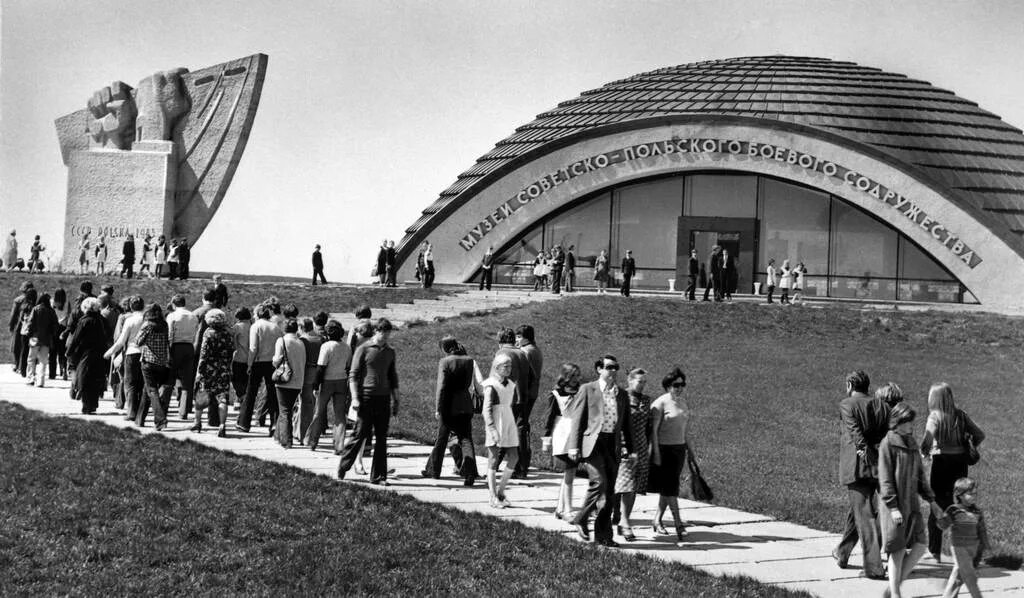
(603, 432)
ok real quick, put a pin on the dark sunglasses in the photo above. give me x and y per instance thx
(678, 384)
(613, 367)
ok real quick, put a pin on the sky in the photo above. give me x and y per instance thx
(371, 109)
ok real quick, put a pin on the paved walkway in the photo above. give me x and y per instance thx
(721, 541)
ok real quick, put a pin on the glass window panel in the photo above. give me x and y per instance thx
(929, 290)
(862, 247)
(646, 221)
(524, 250)
(794, 226)
(722, 195)
(864, 287)
(915, 263)
(585, 226)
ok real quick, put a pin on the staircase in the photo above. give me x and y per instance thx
(450, 306)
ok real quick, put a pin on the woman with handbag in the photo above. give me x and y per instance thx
(562, 426)
(670, 423)
(214, 369)
(950, 440)
(289, 372)
(453, 410)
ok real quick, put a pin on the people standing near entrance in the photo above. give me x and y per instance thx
(570, 269)
(771, 278)
(714, 271)
(556, 267)
(902, 485)
(318, 266)
(865, 421)
(601, 272)
(538, 270)
(428, 264)
(184, 258)
(34, 262)
(146, 261)
(785, 281)
(628, 272)
(160, 255)
(84, 252)
(373, 384)
(453, 410)
(389, 265)
(945, 443)
(633, 474)
(562, 424)
(487, 269)
(128, 258)
(728, 275)
(527, 343)
(172, 260)
(798, 282)
(101, 255)
(604, 425)
(692, 271)
(382, 263)
(670, 426)
(500, 436)
(11, 250)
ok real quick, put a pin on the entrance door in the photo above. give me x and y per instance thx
(738, 236)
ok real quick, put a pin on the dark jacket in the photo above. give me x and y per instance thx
(85, 353)
(865, 422)
(693, 267)
(43, 325)
(128, 251)
(15, 320)
(536, 359)
(373, 369)
(592, 402)
(628, 266)
(382, 260)
(318, 260)
(570, 260)
(522, 370)
(454, 377)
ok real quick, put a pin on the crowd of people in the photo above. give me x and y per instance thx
(157, 257)
(881, 465)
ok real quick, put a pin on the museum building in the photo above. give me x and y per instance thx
(884, 187)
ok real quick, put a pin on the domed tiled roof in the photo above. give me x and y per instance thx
(951, 140)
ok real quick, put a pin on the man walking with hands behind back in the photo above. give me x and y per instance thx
(865, 422)
(318, 266)
(604, 428)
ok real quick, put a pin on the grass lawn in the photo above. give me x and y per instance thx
(764, 385)
(90, 511)
(307, 298)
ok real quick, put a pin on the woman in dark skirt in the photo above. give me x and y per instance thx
(670, 418)
(85, 355)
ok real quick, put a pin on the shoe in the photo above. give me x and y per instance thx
(659, 529)
(198, 427)
(840, 562)
(383, 482)
(496, 504)
(222, 433)
(359, 468)
(239, 428)
(681, 532)
(519, 475)
(608, 543)
(341, 474)
(504, 502)
(270, 432)
(627, 533)
(866, 575)
(582, 531)
(428, 475)
(937, 556)
(469, 481)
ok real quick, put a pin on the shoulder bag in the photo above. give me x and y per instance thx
(698, 486)
(475, 392)
(970, 449)
(283, 373)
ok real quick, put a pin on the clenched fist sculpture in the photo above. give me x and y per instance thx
(119, 118)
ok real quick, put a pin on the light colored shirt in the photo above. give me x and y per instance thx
(182, 326)
(262, 337)
(773, 278)
(289, 346)
(129, 330)
(670, 419)
(334, 356)
(610, 414)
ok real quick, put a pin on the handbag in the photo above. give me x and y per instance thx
(973, 456)
(698, 485)
(283, 373)
(202, 399)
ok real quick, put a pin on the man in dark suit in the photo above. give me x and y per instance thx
(318, 266)
(454, 411)
(603, 431)
(487, 269)
(557, 263)
(570, 269)
(692, 270)
(714, 273)
(865, 422)
(522, 371)
(628, 272)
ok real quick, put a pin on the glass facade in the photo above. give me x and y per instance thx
(847, 252)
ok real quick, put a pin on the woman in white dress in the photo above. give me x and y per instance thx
(501, 435)
(160, 254)
(83, 254)
(101, 255)
(562, 424)
(785, 281)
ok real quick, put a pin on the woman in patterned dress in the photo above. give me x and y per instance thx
(214, 368)
(633, 473)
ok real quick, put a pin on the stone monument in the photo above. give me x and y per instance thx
(156, 159)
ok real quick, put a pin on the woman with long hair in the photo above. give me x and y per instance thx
(154, 343)
(601, 271)
(562, 425)
(945, 442)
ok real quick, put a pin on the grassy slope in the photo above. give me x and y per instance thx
(764, 385)
(90, 511)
